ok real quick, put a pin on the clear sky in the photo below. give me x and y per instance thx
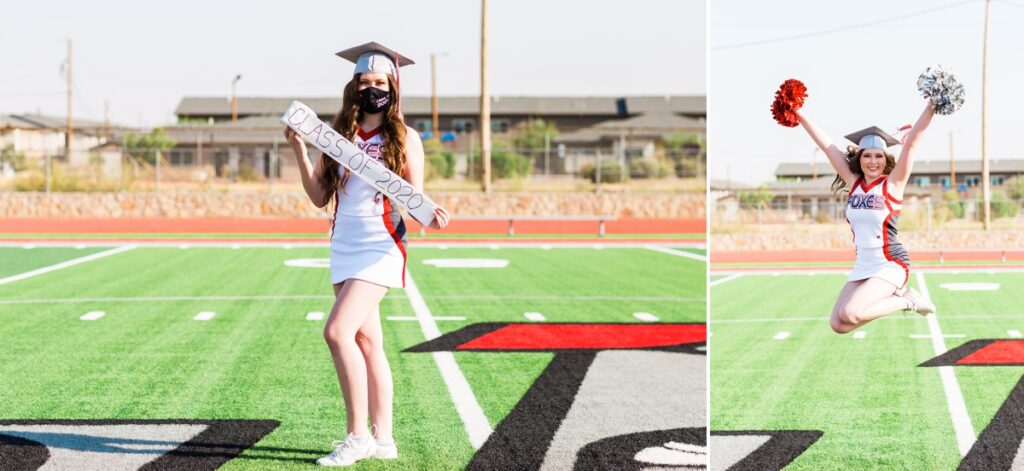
(145, 59)
(857, 77)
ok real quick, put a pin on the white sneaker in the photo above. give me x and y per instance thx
(386, 451)
(918, 303)
(348, 451)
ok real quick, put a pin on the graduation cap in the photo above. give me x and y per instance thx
(872, 138)
(373, 57)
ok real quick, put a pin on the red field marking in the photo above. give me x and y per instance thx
(997, 352)
(322, 225)
(580, 336)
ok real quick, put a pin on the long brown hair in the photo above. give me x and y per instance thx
(853, 161)
(346, 123)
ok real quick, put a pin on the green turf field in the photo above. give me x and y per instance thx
(259, 358)
(876, 407)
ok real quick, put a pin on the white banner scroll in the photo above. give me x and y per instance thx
(304, 121)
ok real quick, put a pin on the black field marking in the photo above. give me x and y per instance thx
(17, 453)
(221, 442)
(997, 445)
(959, 353)
(782, 448)
(450, 342)
(522, 439)
(616, 453)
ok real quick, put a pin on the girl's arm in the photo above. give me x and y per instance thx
(835, 156)
(901, 172)
(414, 170)
(310, 175)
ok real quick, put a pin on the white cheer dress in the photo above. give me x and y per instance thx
(368, 234)
(873, 214)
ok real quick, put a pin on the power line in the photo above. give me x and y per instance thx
(1012, 3)
(842, 28)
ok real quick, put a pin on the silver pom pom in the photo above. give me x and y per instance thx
(941, 87)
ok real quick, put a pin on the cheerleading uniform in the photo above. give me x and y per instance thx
(873, 214)
(368, 234)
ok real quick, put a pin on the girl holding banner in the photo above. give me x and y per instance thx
(368, 244)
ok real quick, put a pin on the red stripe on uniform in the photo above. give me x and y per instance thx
(394, 235)
(873, 184)
(885, 241)
(334, 220)
(367, 135)
(849, 196)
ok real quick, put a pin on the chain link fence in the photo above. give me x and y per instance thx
(917, 214)
(114, 167)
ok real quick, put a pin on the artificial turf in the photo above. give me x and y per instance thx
(258, 358)
(876, 407)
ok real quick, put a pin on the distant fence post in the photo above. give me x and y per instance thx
(157, 171)
(928, 215)
(47, 163)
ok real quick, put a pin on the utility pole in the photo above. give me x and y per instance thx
(234, 99)
(485, 102)
(986, 195)
(106, 120)
(70, 129)
(433, 93)
(952, 166)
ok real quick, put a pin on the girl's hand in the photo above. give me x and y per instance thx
(440, 219)
(296, 141)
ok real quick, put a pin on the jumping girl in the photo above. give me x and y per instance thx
(875, 181)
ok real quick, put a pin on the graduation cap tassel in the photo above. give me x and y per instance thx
(398, 84)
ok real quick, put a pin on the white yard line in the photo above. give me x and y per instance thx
(768, 320)
(781, 336)
(680, 253)
(725, 280)
(846, 270)
(414, 318)
(534, 316)
(137, 299)
(204, 316)
(472, 415)
(645, 316)
(315, 316)
(1013, 333)
(965, 436)
(65, 264)
(932, 336)
(485, 297)
(92, 315)
(860, 335)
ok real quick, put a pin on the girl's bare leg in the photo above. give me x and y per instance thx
(355, 303)
(874, 298)
(370, 339)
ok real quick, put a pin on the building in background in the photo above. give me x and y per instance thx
(586, 128)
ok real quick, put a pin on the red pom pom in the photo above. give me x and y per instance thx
(788, 99)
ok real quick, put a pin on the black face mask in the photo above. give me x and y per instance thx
(373, 100)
